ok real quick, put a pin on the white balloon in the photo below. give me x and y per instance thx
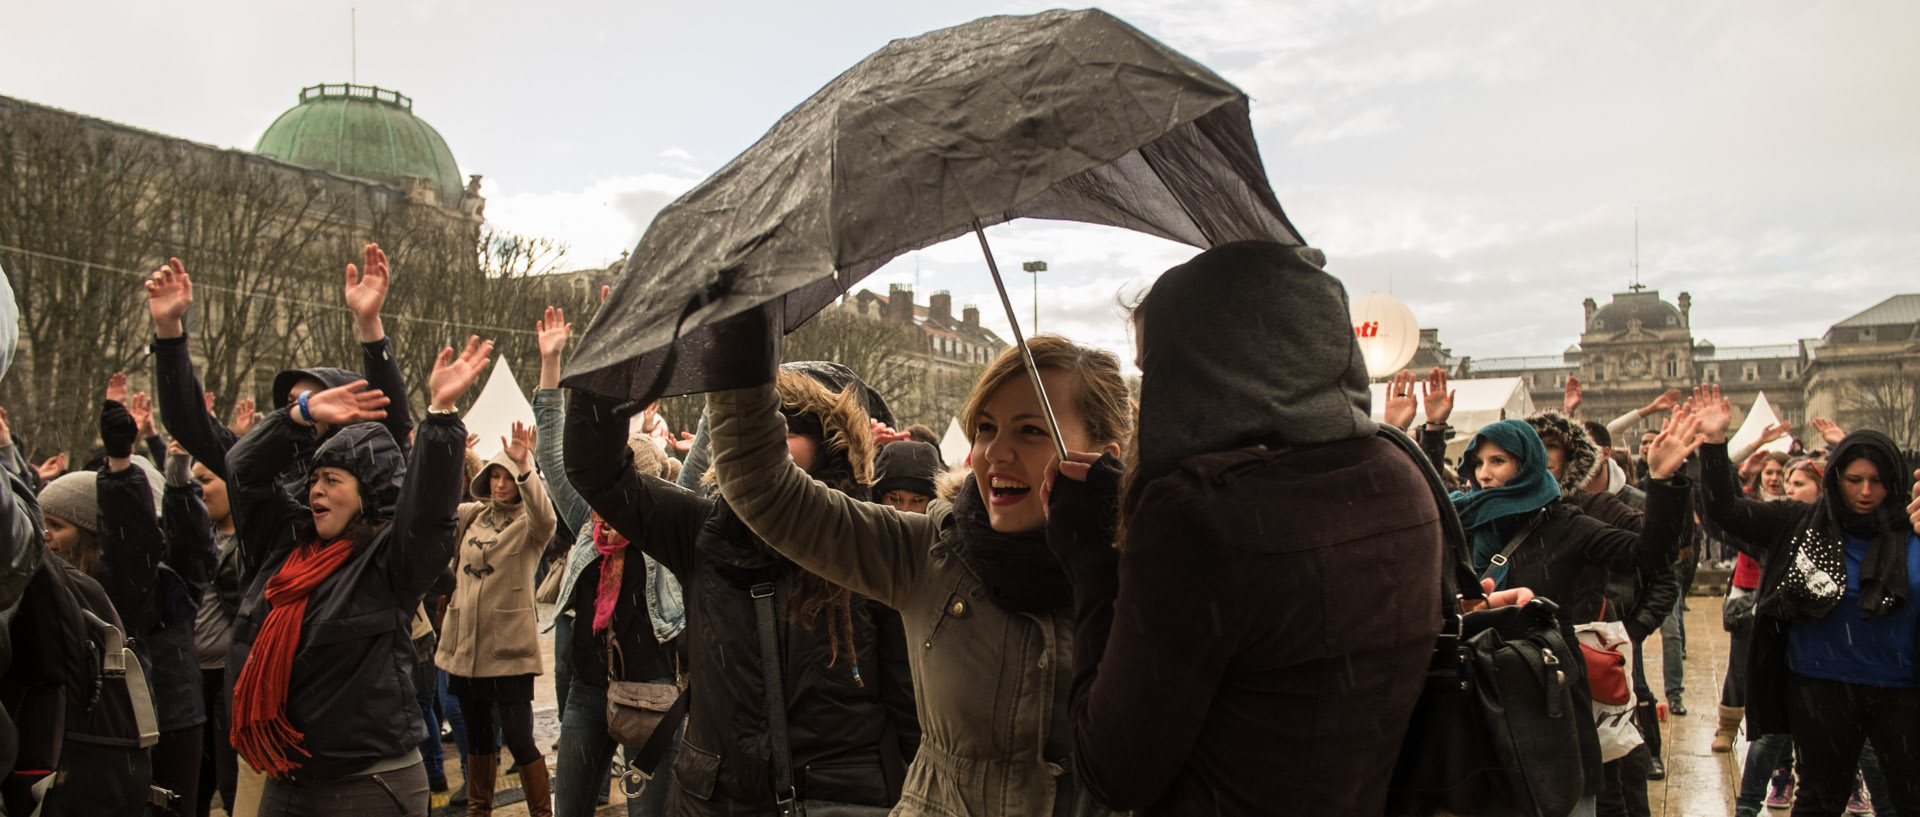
(1387, 331)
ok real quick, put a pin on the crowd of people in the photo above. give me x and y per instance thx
(1220, 601)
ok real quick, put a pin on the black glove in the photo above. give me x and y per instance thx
(1082, 516)
(118, 431)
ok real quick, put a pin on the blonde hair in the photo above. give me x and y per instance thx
(1099, 392)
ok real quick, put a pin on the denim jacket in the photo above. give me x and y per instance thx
(664, 605)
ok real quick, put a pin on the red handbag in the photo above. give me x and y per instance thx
(1606, 672)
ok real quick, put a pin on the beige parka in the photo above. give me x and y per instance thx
(991, 686)
(492, 629)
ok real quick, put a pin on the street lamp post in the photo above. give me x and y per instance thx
(1035, 267)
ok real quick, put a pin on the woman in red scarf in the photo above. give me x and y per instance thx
(322, 657)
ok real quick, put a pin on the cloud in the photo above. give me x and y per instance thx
(597, 222)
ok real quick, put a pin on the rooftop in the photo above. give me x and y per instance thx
(1899, 309)
(1769, 352)
(1516, 364)
(364, 131)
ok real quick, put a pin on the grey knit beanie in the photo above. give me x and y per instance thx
(73, 498)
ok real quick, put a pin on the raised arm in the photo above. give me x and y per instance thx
(131, 542)
(177, 392)
(1665, 402)
(870, 549)
(424, 518)
(533, 489)
(1750, 524)
(191, 551)
(655, 514)
(366, 293)
(549, 414)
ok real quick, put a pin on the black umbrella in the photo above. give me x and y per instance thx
(1070, 115)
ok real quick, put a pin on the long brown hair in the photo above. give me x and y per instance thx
(1753, 482)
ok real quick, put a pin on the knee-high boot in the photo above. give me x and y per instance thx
(534, 781)
(480, 773)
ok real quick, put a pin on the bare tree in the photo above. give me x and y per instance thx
(1888, 403)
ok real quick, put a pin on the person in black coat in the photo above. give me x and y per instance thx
(1835, 653)
(322, 656)
(849, 702)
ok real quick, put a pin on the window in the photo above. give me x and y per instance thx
(1599, 370)
(1673, 367)
(1866, 334)
(1749, 372)
(1711, 374)
(1788, 371)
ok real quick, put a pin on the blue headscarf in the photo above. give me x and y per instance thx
(1527, 492)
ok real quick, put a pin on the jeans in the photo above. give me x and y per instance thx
(1673, 649)
(586, 754)
(562, 672)
(1764, 755)
(1831, 723)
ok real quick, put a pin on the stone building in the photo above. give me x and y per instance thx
(951, 344)
(1638, 346)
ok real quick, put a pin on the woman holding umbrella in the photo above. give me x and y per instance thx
(988, 610)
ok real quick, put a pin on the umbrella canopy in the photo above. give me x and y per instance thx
(1069, 115)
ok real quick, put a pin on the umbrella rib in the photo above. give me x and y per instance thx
(1020, 340)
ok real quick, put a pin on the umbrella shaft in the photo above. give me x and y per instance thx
(1026, 354)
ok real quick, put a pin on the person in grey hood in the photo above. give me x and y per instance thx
(1256, 639)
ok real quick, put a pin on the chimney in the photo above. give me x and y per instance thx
(971, 316)
(940, 306)
(900, 304)
(1591, 308)
(1430, 336)
(1686, 306)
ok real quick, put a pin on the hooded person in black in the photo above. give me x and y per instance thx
(847, 683)
(903, 475)
(1835, 652)
(1257, 639)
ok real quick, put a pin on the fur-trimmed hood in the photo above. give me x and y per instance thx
(846, 429)
(1581, 451)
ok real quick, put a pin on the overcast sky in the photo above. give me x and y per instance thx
(1483, 161)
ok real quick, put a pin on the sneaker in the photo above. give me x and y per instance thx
(1780, 790)
(1858, 803)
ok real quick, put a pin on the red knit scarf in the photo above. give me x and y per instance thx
(261, 733)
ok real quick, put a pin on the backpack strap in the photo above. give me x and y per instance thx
(119, 663)
(784, 796)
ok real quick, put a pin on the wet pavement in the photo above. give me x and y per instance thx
(1699, 782)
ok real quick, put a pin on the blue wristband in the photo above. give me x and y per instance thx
(306, 414)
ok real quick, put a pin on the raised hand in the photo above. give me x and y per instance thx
(1679, 437)
(1775, 432)
(684, 444)
(209, 399)
(1570, 400)
(1755, 461)
(553, 330)
(605, 290)
(52, 468)
(169, 293)
(520, 448)
(244, 416)
(1400, 405)
(344, 405)
(1437, 397)
(1713, 411)
(1913, 508)
(882, 434)
(454, 374)
(117, 387)
(6, 429)
(1665, 402)
(366, 293)
(141, 407)
(472, 440)
(1830, 431)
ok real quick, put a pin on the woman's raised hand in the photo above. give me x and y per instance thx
(1398, 411)
(141, 407)
(169, 293)
(1775, 432)
(1437, 397)
(1678, 439)
(1713, 412)
(345, 405)
(117, 387)
(52, 468)
(520, 447)
(453, 375)
(244, 416)
(1830, 431)
(553, 331)
(366, 292)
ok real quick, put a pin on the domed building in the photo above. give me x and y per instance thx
(371, 133)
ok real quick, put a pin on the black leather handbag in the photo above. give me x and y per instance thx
(1504, 725)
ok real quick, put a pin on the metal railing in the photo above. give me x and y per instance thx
(350, 91)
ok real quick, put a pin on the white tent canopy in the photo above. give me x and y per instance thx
(1476, 403)
(1758, 418)
(493, 413)
(954, 445)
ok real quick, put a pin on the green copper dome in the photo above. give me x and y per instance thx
(360, 130)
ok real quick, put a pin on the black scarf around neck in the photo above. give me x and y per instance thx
(1021, 574)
